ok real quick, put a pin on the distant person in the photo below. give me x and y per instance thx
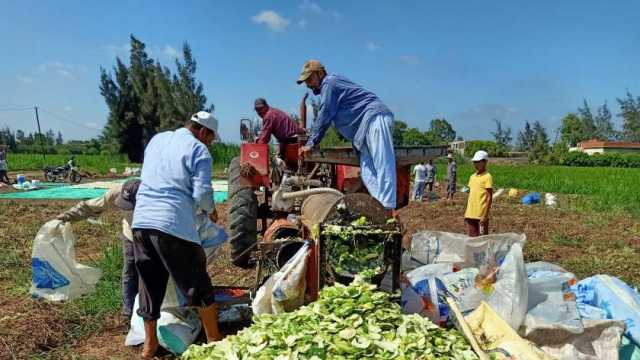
(3, 166)
(175, 188)
(71, 164)
(361, 117)
(420, 178)
(480, 192)
(452, 176)
(431, 174)
(123, 198)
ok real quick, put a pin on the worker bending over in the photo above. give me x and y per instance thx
(176, 185)
(360, 116)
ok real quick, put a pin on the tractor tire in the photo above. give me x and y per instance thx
(242, 217)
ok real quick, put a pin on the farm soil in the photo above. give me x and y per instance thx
(583, 243)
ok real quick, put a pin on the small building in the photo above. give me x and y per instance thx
(457, 147)
(599, 147)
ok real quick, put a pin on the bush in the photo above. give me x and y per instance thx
(621, 160)
(491, 147)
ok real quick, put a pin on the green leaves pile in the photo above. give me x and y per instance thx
(355, 249)
(347, 322)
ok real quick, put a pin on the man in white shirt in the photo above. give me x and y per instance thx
(421, 176)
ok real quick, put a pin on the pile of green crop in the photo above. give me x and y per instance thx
(357, 248)
(347, 322)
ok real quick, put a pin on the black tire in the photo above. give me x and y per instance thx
(242, 216)
(75, 177)
(50, 177)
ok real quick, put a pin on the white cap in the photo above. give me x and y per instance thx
(449, 156)
(480, 155)
(207, 120)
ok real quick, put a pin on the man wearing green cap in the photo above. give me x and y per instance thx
(360, 116)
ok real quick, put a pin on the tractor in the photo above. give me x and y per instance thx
(274, 202)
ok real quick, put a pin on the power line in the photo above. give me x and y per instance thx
(17, 108)
(59, 117)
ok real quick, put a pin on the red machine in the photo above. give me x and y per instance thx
(266, 196)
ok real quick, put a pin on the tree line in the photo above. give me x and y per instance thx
(53, 143)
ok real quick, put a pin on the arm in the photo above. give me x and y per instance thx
(487, 208)
(303, 111)
(265, 132)
(328, 110)
(90, 208)
(201, 180)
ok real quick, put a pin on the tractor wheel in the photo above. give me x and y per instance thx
(242, 216)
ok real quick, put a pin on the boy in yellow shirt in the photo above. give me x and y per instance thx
(476, 217)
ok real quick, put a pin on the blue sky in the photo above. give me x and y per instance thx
(467, 61)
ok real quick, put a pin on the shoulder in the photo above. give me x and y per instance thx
(274, 113)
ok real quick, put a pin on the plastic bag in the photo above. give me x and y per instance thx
(492, 270)
(420, 295)
(211, 234)
(551, 303)
(599, 340)
(288, 290)
(284, 290)
(550, 200)
(531, 198)
(497, 338)
(177, 328)
(615, 299)
(56, 275)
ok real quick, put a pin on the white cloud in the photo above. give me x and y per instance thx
(24, 79)
(371, 46)
(272, 20)
(302, 23)
(410, 59)
(67, 108)
(62, 69)
(315, 8)
(171, 51)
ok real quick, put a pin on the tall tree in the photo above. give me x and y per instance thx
(572, 130)
(502, 135)
(630, 113)
(588, 122)
(441, 131)
(540, 143)
(604, 124)
(414, 136)
(526, 138)
(59, 140)
(19, 136)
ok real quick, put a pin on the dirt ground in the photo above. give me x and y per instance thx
(583, 243)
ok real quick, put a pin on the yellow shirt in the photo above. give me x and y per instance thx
(478, 185)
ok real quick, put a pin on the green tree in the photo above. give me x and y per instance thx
(572, 130)
(541, 142)
(604, 125)
(399, 128)
(59, 140)
(587, 120)
(526, 138)
(630, 114)
(332, 138)
(502, 135)
(414, 137)
(441, 131)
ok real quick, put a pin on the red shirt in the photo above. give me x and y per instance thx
(278, 123)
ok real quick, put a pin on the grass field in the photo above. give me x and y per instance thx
(97, 163)
(599, 189)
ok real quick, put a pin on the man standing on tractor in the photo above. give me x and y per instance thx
(175, 186)
(277, 123)
(360, 116)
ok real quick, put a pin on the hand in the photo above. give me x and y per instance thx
(213, 216)
(304, 151)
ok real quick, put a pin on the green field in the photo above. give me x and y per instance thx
(96, 163)
(602, 189)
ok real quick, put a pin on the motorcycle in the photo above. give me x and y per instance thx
(62, 173)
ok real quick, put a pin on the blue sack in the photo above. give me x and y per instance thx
(44, 276)
(615, 299)
(531, 198)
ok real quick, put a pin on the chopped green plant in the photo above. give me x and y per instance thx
(357, 248)
(347, 322)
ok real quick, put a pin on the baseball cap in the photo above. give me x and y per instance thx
(126, 199)
(207, 120)
(480, 155)
(308, 68)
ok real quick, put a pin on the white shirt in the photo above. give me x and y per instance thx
(421, 173)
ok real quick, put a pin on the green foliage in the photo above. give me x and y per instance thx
(414, 137)
(502, 136)
(630, 113)
(491, 147)
(440, 132)
(145, 98)
(613, 159)
(572, 131)
(332, 138)
(97, 163)
(601, 188)
(222, 153)
(399, 128)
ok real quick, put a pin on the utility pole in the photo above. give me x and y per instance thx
(40, 133)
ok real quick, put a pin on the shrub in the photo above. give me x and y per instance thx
(494, 149)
